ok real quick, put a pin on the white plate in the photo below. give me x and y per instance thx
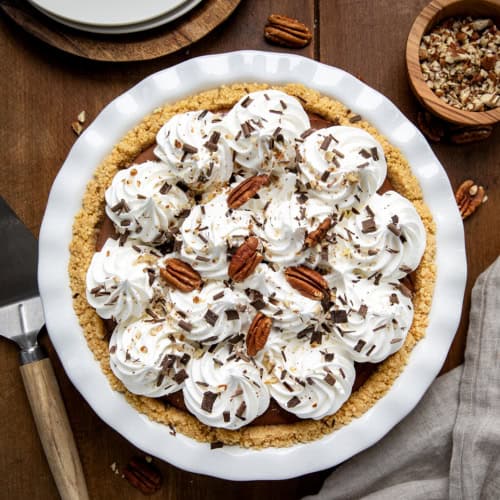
(169, 85)
(185, 7)
(107, 12)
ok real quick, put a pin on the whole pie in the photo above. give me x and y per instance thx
(252, 265)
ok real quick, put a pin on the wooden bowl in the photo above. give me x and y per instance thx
(435, 12)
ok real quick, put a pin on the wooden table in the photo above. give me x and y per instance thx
(42, 90)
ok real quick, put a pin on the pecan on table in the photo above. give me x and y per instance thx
(287, 32)
(143, 475)
(469, 197)
(181, 275)
(466, 135)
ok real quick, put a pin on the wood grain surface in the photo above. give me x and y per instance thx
(42, 92)
(138, 46)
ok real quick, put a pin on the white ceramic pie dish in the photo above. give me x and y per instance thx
(171, 84)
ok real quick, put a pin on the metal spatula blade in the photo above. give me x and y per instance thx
(21, 318)
(21, 313)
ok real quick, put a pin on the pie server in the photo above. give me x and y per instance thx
(21, 318)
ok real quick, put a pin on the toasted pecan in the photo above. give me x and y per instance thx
(245, 259)
(246, 189)
(258, 333)
(307, 282)
(181, 275)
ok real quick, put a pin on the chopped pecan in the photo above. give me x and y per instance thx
(288, 32)
(258, 333)
(469, 196)
(466, 135)
(314, 237)
(246, 189)
(181, 275)
(143, 475)
(307, 282)
(245, 259)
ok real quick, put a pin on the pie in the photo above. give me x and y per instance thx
(253, 265)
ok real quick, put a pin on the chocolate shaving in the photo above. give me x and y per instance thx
(325, 175)
(226, 416)
(208, 401)
(394, 299)
(165, 188)
(359, 345)
(232, 314)
(363, 309)
(241, 410)
(355, 118)
(246, 102)
(292, 403)
(339, 316)
(307, 133)
(218, 296)
(393, 228)
(368, 226)
(326, 142)
(374, 153)
(329, 356)
(258, 304)
(216, 444)
(179, 377)
(185, 325)
(211, 317)
(363, 165)
(330, 379)
(188, 148)
(185, 359)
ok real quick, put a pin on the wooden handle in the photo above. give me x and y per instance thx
(54, 429)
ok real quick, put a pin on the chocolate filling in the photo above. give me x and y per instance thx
(274, 415)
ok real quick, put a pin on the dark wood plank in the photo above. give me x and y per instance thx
(368, 39)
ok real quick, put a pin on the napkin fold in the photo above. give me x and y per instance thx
(449, 445)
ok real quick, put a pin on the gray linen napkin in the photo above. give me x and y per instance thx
(449, 445)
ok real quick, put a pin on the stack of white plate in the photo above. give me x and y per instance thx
(114, 17)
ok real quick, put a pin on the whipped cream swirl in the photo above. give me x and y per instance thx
(213, 313)
(262, 129)
(373, 321)
(270, 293)
(342, 166)
(209, 231)
(385, 241)
(225, 389)
(310, 382)
(149, 357)
(194, 150)
(121, 280)
(143, 201)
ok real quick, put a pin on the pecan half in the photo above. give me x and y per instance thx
(143, 475)
(181, 275)
(245, 259)
(307, 282)
(288, 32)
(467, 135)
(469, 197)
(433, 128)
(258, 333)
(246, 189)
(314, 237)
